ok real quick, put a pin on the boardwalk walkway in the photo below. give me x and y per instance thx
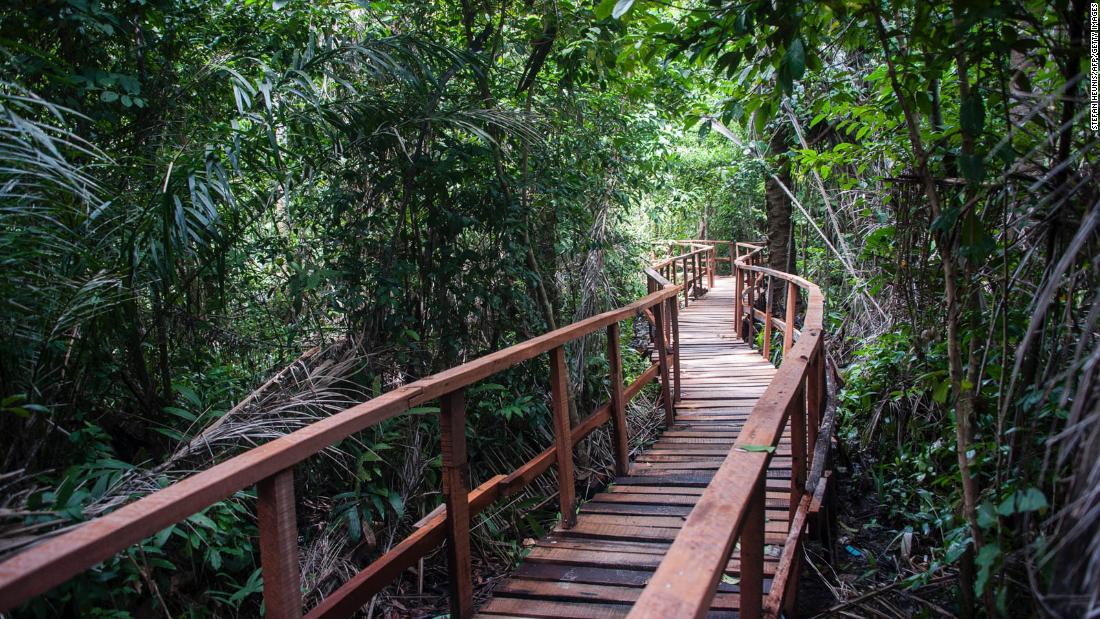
(599, 567)
(697, 524)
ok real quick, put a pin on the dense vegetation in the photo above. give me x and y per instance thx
(222, 220)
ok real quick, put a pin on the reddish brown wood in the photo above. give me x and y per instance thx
(797, 423)
(618, 403)
(785, 580)
(54, 561)
(456, 473)
(788, 324)
(675, 328)
(752, 555)
(279, 545)
(738, 310)
(712, 264)
(766, 349)
(750, 326)
(662, 356)
(559, 407)
(684, 583)
(815, 386)
(687, 282)
(518, 479)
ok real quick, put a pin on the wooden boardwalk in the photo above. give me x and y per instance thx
(599, 567)
(662, 541)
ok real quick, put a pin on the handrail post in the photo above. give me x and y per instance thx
(618, 406)
(675, 327)
(738, 309)
(662, 360)
(713, 264)
(698, 272)
(788, 331)
(456, 491)
(752, 554)
(815, 388)
(797, 422)
(750, 276)
(767, 317)
(279, 545)
(559, 404)
(697, 267)
(687, 285)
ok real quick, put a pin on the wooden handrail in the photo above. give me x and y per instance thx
(694, 265)
(270, 466)
(732, 506)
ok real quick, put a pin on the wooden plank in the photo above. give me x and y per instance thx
(279, 545)
(569, 590)
(548, 608)
(592, 575)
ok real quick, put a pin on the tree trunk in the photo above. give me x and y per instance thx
(778, 205)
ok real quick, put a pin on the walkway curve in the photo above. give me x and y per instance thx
(599, 567)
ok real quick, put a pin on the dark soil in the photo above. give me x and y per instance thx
(862, 574)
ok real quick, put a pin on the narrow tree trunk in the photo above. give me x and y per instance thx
(779, 213)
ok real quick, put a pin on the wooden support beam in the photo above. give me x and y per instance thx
(788, 327)
(750, 276)
(752, 555)
(662, 361)
(767, 348)
(797, 422)
(559, 406)
(675, 328)
(456, 474)
(782, 596)
(738, 310)
(815, 392)
(618, 404)
(279, 545)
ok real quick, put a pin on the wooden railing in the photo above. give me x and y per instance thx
(270, 467)
(691, 267)
(732, 508)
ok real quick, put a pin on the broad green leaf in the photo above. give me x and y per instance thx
(977, 242)
(972, 167)
(202, 521)
(603, 9)
(621, 7)
(758, 448)
(939, 394)
(1031, 500)
(796, 59)
(972, 115)
(986, 559)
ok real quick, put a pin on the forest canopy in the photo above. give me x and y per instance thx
(221, 221)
